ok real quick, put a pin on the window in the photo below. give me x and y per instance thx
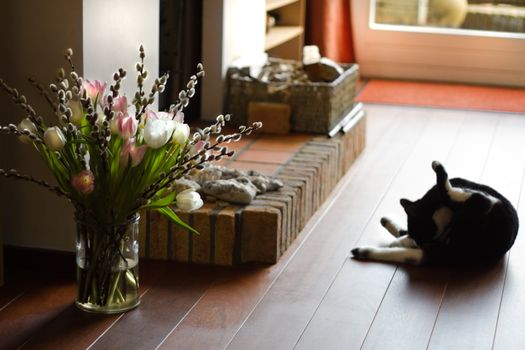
(411, 39)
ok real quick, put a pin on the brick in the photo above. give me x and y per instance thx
(158, 238)
(308, 198)
(312, 174)
(261, 156)
(285, 232)
(225, 236)
(201, 253)
(320, 162)
(288, 143)
(296, 187)
(260, 234)
(289, 229)
(181, 239)
(263, 168)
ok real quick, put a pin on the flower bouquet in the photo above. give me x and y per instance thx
(111, 159)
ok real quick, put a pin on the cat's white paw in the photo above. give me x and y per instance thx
(391, 226)
(361, 253)
(436, 164)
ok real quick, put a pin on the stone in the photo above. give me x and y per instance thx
(265, 184)
(259, 232)
(239, 191)
(215, 172)
(219, 184)
(325, 70)
(180, 185)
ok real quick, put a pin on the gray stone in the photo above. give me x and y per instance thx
(239, 191)
(219, 183)
(180, 185)
(214, 172)
(265, 184)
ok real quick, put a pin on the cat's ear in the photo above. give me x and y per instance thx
(410, 207)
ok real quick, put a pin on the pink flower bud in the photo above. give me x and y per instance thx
(83, 182)
(94, 89)
(130, 150)
(126, 125)
(120, 104)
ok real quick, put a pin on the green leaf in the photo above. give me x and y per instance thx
(170, 214)
(161, 202)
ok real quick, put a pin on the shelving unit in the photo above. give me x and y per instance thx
(286, 38)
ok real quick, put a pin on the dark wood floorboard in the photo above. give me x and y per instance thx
(413, 299)
(75, 329)
(221, 312)
(295, 296)
(509, 332)
(161, 309)
(315, 297)
(345, 301)
(470, 307)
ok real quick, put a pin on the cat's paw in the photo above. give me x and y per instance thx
(360, 253)
(391, 227)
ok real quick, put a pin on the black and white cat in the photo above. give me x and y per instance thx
(456, 221)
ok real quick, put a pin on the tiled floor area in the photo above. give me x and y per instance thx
(265, 153)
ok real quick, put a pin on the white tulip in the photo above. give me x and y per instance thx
(181, 133)
(26, 124)
(100, 118)
(157, 132)
(54, 138)
(188, 200)
(113, 126)
(77, 113)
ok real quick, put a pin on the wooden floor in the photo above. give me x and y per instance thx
(316, 297)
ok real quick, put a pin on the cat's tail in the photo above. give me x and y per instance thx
(442, 182)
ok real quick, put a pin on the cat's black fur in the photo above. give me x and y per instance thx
(456, 221)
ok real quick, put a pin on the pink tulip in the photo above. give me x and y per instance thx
(84, 182)
(94, 89)
(130, 149)
(120, 104)
(151, 114)
(126, 125)
(179, 117)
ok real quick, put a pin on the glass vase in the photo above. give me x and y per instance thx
(107, 265)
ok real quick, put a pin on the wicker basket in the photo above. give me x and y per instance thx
(316, 107)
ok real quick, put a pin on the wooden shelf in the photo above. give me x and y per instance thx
(274, 4)
(286, 38)
(281, 34)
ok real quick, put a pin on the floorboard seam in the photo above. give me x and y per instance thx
(343, 182)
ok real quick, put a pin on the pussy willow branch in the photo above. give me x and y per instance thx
(158, 86)
(14, 174)
(195, 162)
(43, 92)
(141, 76)
(21, 101)
(12, 129)
(189, 92)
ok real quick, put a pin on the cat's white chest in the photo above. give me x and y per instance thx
(442, 218)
